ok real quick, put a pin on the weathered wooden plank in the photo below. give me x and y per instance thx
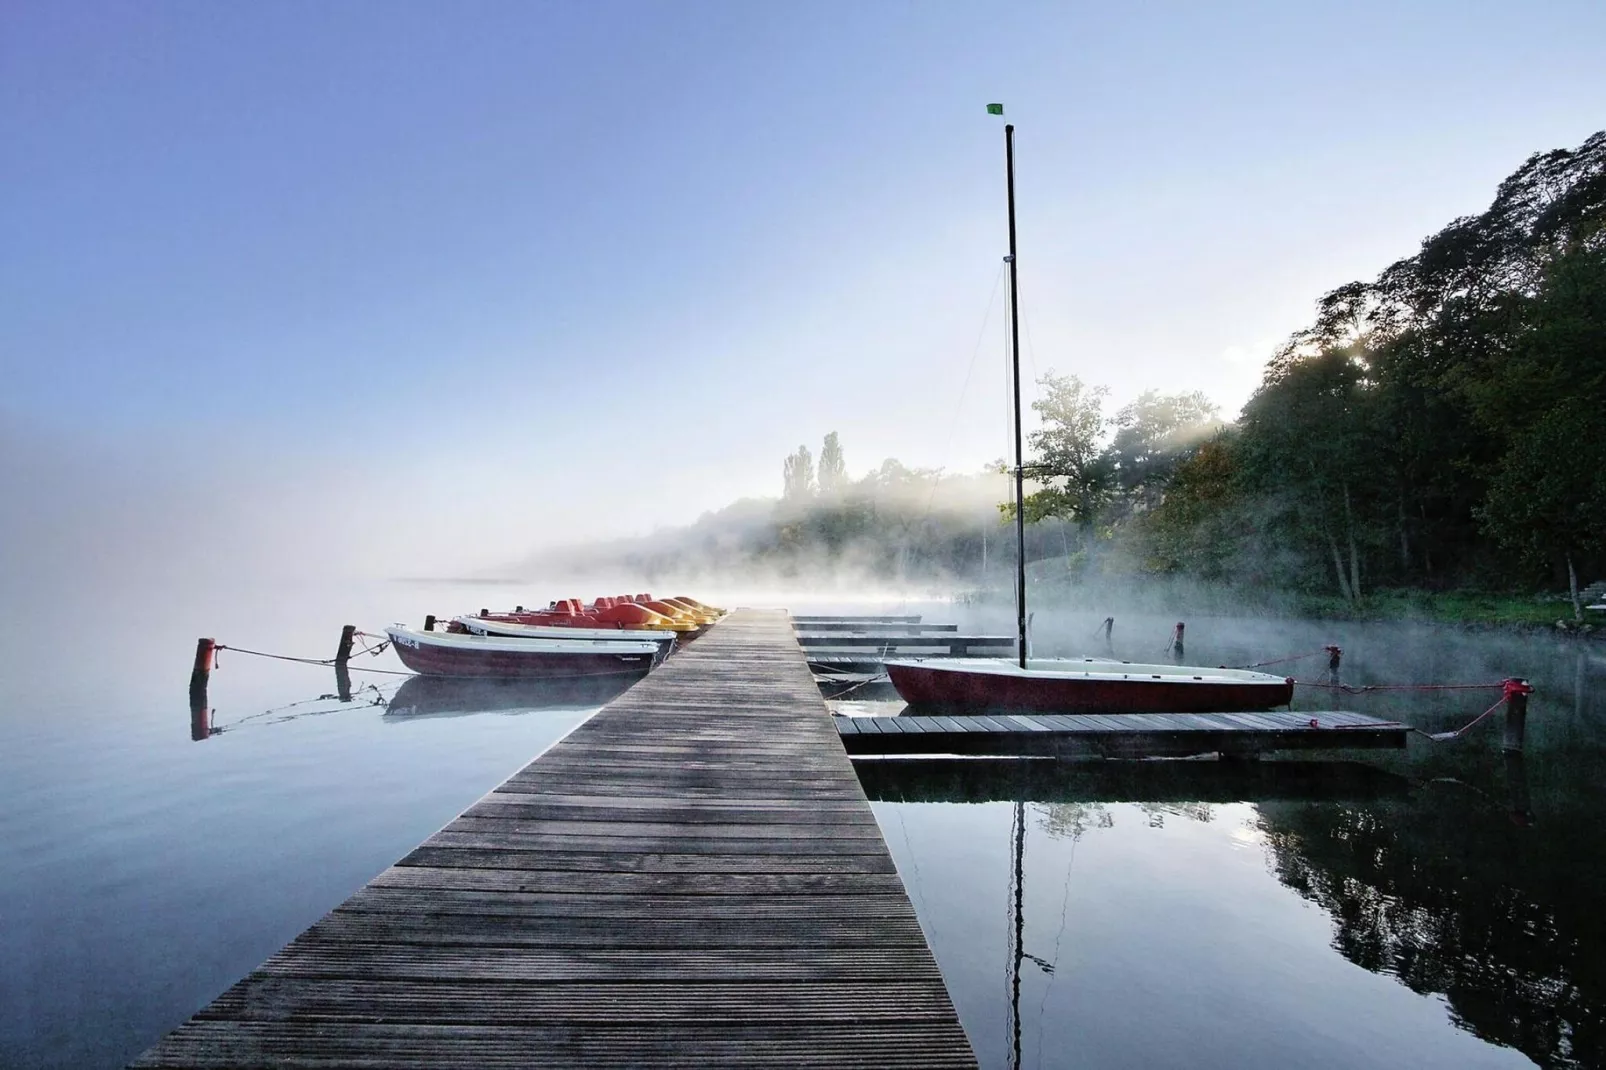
(508, 819)
(688, 843)
(727, 886)
(269, 998)
(645, 862)
(379, 898)
(397, 961)
(373, 1046)
(527, 807)
(519, 930)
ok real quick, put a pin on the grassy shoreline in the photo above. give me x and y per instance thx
(1467, 608)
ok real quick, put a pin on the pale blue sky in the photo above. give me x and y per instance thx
(538, 270)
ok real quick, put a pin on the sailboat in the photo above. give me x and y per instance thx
(1058, 685)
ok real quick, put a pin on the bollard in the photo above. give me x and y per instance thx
(204, 652)
(1517, 692)
(200, 713)
(348, 636)
(429, 622)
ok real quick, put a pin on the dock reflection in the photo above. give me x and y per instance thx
(977, 780)
(440, 696)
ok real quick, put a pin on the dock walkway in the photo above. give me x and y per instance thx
(693, 877)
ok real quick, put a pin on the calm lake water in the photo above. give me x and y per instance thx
(1436, 908)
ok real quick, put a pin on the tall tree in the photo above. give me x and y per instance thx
(798, 476)
(1154, 434)
(833, 471)
(1308, 450)
(1070, 461)
(1547, 500)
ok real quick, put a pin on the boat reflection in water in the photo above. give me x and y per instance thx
(440, 696)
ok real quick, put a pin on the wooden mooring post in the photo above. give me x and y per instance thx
(1335, 659)
(348, 636)
(1517, 692)
(200, 710)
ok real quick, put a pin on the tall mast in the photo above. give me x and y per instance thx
(1014, 357)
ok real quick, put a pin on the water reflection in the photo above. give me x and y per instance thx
(1501, 919)
(1160, 918)
(203, 727)
(419, 697)
(971, 780)
(436, 696)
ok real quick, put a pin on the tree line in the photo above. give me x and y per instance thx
(1441, 426)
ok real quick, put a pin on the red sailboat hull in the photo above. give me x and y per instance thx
(955, 688)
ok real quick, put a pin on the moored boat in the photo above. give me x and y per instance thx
(514, 630)
(1067, 686)
(606, 613)
(453, 654)
(1083, 685)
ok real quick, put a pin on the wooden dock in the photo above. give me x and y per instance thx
(693, 877)
(842, 647)
(1127, 735)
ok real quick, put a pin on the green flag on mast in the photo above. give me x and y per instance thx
(995, 109)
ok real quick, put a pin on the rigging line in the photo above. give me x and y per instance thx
(914, 866)
(1009, 924)
(1020, 927)
(1065, 903)
(964, 389)
(1031, 350)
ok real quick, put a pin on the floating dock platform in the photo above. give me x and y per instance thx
(692, 878)
(1126, 735)
(858, 646)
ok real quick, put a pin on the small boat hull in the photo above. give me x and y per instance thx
(1083, 687)
(446, 654)
(509, 629)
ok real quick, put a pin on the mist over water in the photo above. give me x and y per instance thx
(142, 873)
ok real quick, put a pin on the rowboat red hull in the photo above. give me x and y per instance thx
(954, 688)
(446, 654)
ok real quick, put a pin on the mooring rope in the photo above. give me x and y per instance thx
(1509, 689)
(372, 651)
(1279, 661)
(1350, 689)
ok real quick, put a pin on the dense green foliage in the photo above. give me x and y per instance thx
(1441, 425)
